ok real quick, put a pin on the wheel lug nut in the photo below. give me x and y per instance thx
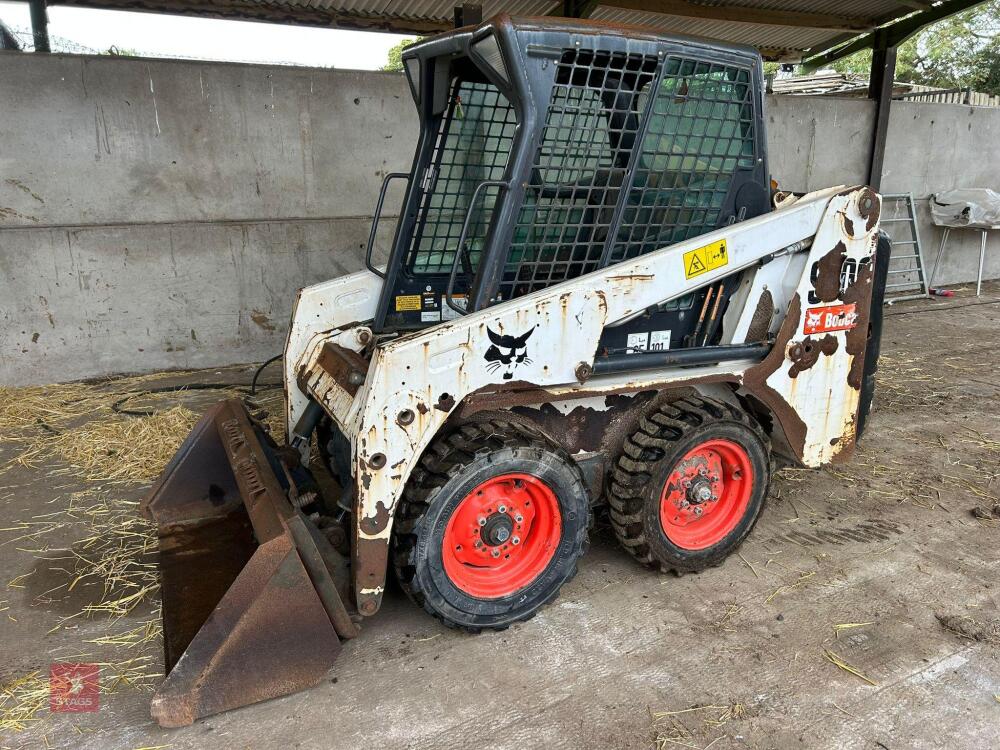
(519, 518)
(515, 540)
(479, 543)
(697, 511)
(703, 471)
(482, 521)
(502, 509)
(686, 483)
(495, 553)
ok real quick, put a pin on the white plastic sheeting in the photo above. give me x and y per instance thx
(976, 208)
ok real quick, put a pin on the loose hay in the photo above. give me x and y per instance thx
(120, 450)
(832, 657)
(849, 626)
(78, 424)
(23, 698)
(671, 731)
(50, 407)
(114, 549)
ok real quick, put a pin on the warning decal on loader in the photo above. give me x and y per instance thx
(705, 258)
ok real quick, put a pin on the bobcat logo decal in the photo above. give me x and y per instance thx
(506, 352)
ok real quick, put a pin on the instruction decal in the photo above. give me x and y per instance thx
(830, 318)
(705, 258)
(406, 302)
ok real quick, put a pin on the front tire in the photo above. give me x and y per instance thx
(689, 484)
(491, 525)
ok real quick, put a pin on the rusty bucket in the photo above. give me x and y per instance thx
(253, 594)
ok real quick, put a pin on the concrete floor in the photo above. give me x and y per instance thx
(627, 658)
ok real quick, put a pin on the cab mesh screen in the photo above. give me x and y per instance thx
(473, 144)
(700, 131)
(578, 170)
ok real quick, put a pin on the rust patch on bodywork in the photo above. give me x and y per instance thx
(870, 208)
(375, 524)
(804, 354)
(583, 429)
(859, 293)
(848, 225)
(826, 274)
(755, 381)
(347, 368)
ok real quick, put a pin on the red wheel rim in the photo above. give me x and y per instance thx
(502, 536)
(706, 495)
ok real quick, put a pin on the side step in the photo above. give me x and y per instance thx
(253, 594)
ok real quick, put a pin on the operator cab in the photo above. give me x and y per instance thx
(550, 150)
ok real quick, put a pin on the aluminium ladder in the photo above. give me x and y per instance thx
(914, 258)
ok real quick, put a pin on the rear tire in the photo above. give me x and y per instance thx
(476, 491)
(689, 484)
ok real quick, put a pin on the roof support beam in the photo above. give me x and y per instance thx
(299, 15)
(880, 89)
(895, 34)
(40, 25)
(743, 14)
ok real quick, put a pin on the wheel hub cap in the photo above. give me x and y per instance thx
(502, 536)
(706, 495)
(497, 529)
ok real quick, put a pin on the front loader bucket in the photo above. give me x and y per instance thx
(252, 592)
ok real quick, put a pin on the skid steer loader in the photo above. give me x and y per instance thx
(590, 298)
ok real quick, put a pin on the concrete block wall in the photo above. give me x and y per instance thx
(161, 214)
(819, 141)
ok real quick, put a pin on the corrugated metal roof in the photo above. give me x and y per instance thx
(764, 36)
(762, 23)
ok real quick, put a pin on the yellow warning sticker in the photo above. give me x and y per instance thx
(704, 259)
(407, 302)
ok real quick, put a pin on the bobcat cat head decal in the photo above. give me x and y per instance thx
(506, 352)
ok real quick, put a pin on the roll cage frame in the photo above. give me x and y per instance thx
(530, 54)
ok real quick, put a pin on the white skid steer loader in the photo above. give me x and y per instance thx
(590, 299)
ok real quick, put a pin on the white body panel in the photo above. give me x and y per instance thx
(429, 372)
(318, 310)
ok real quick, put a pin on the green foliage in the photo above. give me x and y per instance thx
(962, 50)
(395, 57)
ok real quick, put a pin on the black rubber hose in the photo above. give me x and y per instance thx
(119, 408)
(253, 381)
